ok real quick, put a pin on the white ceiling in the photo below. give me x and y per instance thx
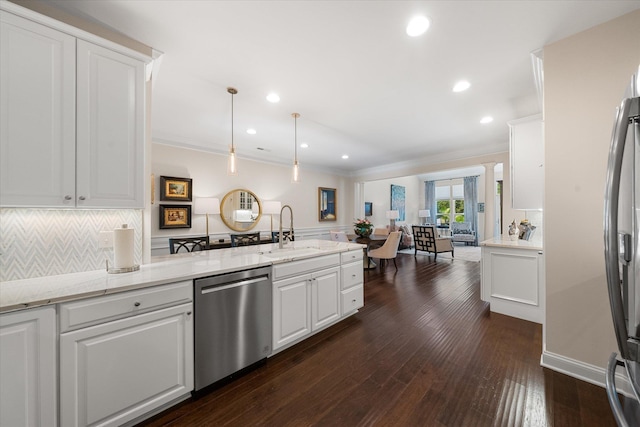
(361, 85)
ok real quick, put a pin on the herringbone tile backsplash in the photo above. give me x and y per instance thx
(35, 243)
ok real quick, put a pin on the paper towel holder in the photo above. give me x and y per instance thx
(135, 267)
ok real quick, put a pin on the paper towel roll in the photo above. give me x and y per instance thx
(123, 247)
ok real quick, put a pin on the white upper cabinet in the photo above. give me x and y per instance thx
(110, 140)
(526, 149)
(72, 120)
(37, 114)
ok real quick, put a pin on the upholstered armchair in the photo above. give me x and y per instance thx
(424, 239)
(462, 232)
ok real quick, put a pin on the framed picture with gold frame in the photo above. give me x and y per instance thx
(175, 189)
(175, 216)
(327, 204)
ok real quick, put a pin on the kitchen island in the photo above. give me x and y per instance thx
(29, 293)
(512, 278)
(58, 333)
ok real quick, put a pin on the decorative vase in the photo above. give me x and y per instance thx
(363, 232)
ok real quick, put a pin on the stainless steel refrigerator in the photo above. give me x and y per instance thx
(622, 254)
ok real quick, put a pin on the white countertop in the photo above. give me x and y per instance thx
(20, 294)
(505, 242)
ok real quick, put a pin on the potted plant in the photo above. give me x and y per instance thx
(363, 227)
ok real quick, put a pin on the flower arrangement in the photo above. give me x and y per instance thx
(363, 227)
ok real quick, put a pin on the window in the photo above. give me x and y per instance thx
(449, 194)
(246, 201)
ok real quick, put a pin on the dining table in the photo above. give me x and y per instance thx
(372, 241)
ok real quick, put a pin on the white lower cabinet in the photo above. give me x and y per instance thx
(304, 304)
(291, 310)
(306, 297)
(352, 283)
(119, 370)
(311, 294)
(28, 387)
(325, 297)
(512, 281)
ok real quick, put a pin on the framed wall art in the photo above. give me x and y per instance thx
(397, 201)
(175, 189)
(327, 204)
(175, 216)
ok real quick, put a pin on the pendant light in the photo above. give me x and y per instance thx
(232, 167)
(296, 167)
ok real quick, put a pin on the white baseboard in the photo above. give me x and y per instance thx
(584, 371)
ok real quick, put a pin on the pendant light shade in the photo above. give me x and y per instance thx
(232, 166)
(296, 167)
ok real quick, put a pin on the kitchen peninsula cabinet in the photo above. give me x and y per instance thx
(72, 122)
(307, 300)
(512, 278)
(124, 355)
(526, 154)
(28, 389)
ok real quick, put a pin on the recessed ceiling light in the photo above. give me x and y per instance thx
(486, 119)
(273, 97)
(345, 156)
(304, 145)
(418, 25)
(461, 86)
(251, 131)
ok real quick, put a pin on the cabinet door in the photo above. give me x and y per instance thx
(325, 297)
(527, 163)
(28, 390)
(114, 372)
(291, 317)
(110, 124)
(37, 114)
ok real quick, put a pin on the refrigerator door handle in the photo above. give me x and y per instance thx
(611, 197)
(612, 394)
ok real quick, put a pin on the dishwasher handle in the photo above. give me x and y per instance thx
(216, 288)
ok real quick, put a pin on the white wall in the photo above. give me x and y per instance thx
(379, 193)
(585, 77)
(267, 181)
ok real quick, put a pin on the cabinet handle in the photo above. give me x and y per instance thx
(137, 304)
(353, 275)
(81, 198)
(188, 313)
(353, 300)
(67, 197)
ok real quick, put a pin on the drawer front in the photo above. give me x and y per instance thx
(304, 266)
(80, 314)
(352, 300)
(351, 256)
(352, 274)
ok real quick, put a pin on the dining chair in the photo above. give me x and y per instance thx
(338, 236)
(287, 236)
(389, 250)
(381, 231)
(245, 239)
(188, 244)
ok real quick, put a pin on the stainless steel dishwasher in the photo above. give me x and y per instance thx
(233, 330)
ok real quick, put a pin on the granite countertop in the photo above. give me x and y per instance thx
(505, 242)
(27, 293)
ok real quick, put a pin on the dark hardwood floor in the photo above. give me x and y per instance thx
(424, 351)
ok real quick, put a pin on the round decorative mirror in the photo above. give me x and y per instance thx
(240, 210)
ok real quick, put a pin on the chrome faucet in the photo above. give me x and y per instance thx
(280, 236)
